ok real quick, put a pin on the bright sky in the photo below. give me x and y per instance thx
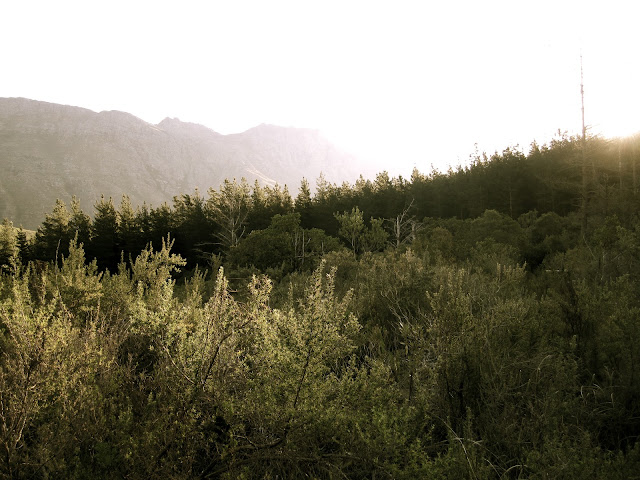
(401, 83)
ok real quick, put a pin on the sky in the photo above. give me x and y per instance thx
(400, 84)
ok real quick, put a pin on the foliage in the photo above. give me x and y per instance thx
(283, 245)
(496, 337)
(9, 247)
(229, 207)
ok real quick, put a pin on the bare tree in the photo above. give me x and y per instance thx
(404, 227)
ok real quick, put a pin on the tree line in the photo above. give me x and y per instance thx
(547, 179)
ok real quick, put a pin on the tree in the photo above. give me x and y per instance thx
(258, 217)
(161, 223)
(79, 223)
(267, 202)
(128, 228)
(403, 227)
(192, 226)
(104, 244)
(9, 248)
(351, 227)
(53, 236)
(303, 199)
(284, 244)
(375, 237)
(25, 246)
(229, 208)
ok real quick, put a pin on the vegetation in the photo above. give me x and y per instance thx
(458, 325)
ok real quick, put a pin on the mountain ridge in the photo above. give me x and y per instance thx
(50, 151)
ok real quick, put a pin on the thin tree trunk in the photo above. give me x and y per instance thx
(633, 169)
(584, 158)
(620, 164)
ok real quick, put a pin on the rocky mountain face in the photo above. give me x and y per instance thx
(50, 151)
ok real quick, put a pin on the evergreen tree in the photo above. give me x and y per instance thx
(53, 236)
(161, 222)
(192, 227)
(303, 203)
(351, 228)
(79, 223)
(129, 231)
(9, 247)
(25, 246)
(143, 220)
(258, 217)
(105, 244)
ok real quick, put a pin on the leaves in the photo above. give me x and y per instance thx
(483, 347)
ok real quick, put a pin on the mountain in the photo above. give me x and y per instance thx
(50, 151)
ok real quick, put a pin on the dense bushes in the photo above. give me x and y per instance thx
(499, 346)
(390, 364)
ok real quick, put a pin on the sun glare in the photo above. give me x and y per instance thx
(612, 115)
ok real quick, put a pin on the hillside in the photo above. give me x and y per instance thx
(50, 151)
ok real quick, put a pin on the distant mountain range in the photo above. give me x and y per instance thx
(50, 151)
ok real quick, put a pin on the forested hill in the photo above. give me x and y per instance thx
(50, 151)
(477, 324)
(562, 178)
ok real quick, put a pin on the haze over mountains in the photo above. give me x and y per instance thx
(50, 151)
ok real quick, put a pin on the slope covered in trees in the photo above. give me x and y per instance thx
(546, 180)
(458, 325)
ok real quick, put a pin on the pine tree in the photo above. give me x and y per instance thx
(104, 243)
(129, 240)
(192, 226)
(53, 236)
(9, 249)
(79, 223)
(258, 218)
(161, 224)
(24, 246)
(351, 228)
